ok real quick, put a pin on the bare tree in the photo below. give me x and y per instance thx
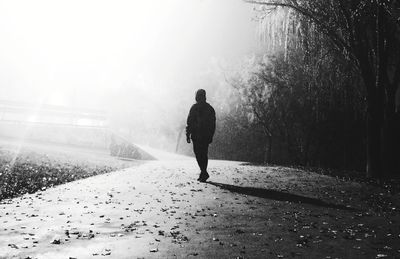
(368, 34)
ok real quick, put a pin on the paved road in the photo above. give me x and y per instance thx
(159, 210)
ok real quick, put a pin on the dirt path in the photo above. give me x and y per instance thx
(159, 210)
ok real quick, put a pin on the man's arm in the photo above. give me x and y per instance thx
(212, 124)
(189, 124)
(213, 121)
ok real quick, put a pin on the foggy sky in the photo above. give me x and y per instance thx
(95, 53)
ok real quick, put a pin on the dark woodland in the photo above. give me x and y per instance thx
(326, 94)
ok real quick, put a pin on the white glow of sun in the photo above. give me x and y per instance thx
(84, 51)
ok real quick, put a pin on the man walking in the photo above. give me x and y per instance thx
(200, 129)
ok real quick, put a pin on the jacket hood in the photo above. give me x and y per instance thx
(200, 95)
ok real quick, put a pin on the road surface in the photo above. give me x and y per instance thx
(159, 210)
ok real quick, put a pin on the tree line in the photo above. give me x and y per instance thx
(323, 93)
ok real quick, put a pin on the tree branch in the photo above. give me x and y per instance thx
(263, 123)
(336, 39)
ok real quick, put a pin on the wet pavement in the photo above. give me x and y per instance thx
(159, 210)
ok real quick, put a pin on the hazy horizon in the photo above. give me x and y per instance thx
(94, 54)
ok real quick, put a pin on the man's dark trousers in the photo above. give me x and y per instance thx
(201, 151)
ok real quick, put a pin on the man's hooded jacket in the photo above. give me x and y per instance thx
(201, 120)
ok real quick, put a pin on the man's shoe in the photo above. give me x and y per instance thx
(203, 180)
(203, 177)
(200, 176)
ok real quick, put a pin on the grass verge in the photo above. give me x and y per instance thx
(28, 171)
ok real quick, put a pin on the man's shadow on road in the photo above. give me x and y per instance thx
(278, 196)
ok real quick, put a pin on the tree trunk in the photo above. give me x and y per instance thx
(268, 149)
(390, 135)
(374, 165)
(373, 85)
(374, 132)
